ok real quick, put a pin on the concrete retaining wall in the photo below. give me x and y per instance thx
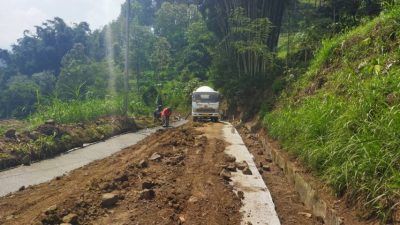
(308, 195)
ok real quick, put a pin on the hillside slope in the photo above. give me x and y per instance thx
(342, 117)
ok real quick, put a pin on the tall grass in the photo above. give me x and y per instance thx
(348, 131)
(74, 111)
(3, 130)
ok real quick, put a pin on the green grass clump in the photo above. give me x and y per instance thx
(348, 127)
(4, 155)
(75, 111)
(3, 130)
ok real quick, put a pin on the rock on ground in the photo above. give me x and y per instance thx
(147, 194)
(143, 164)
(11, 133)
(230, 158)
(247, 171)
(109, 200)
(155, 157)
(70, 218)
(225, 174)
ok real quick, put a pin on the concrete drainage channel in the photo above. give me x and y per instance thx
(258, 207)
(308, 195)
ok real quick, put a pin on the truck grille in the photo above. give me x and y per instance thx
(206, 110)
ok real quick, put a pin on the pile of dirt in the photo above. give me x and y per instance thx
(171, 177)
(51, 139)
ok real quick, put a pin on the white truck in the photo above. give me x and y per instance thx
(205, 104)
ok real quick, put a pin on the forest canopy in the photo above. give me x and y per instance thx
(170, 43)
(231, 44)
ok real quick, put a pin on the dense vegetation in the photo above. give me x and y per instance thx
(342, 116)
(170, 47)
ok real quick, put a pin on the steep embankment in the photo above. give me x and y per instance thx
(342, 117)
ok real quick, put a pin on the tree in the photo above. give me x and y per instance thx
(75, 76)
(81, 33)
(142, 45)
(161, 56)
(217, 15)
(195, 59)
(5, 58)
(19, 98)
(172, 20)
(46, 81)
(25, 54)
(145, 12)
(97, 44)
(44, 49)
(248, 41)
(7, 66)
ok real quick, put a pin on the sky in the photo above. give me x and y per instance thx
(19, 15)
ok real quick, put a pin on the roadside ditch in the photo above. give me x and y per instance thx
(300, 197)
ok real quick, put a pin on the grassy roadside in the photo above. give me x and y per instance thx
(60, 126)
(51, 139)
(79, 111)
(342, 117)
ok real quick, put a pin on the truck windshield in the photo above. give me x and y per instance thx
(206, 97)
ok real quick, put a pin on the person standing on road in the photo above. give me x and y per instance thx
(165, 114)
(157, 114)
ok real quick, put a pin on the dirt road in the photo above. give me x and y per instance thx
(13, 179)
(175, 176)
(178, 182)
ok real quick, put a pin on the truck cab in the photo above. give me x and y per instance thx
(205, 104)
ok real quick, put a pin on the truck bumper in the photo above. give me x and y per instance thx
(205, 115)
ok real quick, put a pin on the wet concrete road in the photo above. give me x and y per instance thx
(11, 180)
(258, 206)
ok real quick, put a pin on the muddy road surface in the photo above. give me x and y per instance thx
(198, 173)
(13, 179)
(170, 177)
